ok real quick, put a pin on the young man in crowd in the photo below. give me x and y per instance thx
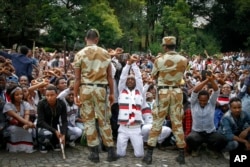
(50, 110)
(235, 126)
(74, 132)
(203, 128)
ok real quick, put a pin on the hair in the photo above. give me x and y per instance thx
(69, 80)
(10, 89)
(151, 87)
(92, 34)
(203, 92)
(57, 80)
(24, 50)
(51, 87)
(234, 99)
(170, 47)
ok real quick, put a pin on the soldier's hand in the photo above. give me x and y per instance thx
(77, 101)
(111, 99)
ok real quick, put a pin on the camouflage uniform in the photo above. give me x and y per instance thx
(94, 61)
(169, 69)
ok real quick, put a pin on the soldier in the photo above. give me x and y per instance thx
(168, 70)
(93, 74)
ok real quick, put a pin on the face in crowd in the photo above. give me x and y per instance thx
(23, 81)
(226, 89)
(70, 97)
(51, 95)
(62, 84)
(17, 96)
(203, 98)
(130, 82)
(235, 107)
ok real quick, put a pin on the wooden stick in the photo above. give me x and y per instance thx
(61, 144)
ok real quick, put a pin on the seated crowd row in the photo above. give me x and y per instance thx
(213, 114)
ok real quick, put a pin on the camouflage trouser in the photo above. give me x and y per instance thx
(93, 107)
(170, 104)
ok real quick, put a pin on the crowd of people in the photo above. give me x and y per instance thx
(112, 97)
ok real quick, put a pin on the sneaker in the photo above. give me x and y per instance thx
(30, 151)
(226, 155)
(43, 149)
(57, 147)
(72, 144)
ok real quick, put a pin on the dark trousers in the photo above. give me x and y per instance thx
(114, 120)
(214, 140)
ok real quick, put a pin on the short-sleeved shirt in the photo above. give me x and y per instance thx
(24, 106)
(93, 62)
(169, 68)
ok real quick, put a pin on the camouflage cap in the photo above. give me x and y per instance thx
(169, 40)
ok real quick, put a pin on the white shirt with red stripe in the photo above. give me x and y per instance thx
(130, 101)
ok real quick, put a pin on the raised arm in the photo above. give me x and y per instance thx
(6, 55)
(138, 77)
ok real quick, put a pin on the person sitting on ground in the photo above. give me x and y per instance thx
(17, 112)
(244, 94)
(165, 131)
(37, 89)
(221, 108)
(50, 111)
(130, 102)
(235, 126)
(203, 129)
(74, 132)
(61, 84)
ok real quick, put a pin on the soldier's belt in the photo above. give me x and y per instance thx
(97, 85)
(131, 126)
(167, 87)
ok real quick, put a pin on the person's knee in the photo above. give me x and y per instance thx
(78, 132)
(139, 154)
(45, 138)
(120, 152)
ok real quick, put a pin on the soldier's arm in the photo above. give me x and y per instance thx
(110, 80)
(77, 81)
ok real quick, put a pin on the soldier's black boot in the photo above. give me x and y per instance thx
(181, 156)
(112, 156)
(148, 157)
(94, 154)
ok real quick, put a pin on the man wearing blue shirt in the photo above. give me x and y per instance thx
(21, 63)
(235, 126)
(203, 128)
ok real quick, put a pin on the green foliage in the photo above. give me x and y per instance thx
(144, 22)
(155, 48)
(102, 17)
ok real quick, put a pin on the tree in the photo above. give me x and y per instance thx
(59, 18)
